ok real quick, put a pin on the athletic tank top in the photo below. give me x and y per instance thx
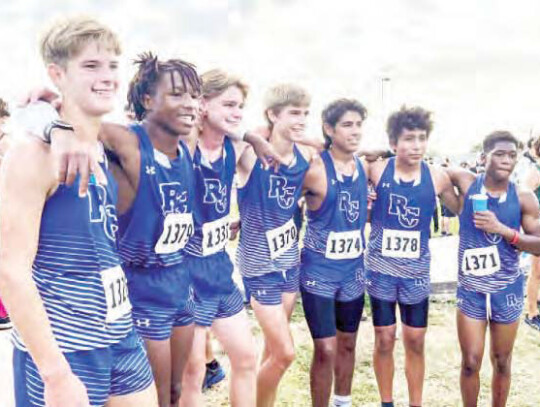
(400, 224)
(77, 268)
(334, 242)
(487, 262)
(213, 184)
(267, 203)
(155, 230)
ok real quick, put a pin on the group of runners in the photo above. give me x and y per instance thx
(113, 262)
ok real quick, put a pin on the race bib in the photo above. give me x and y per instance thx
(344, 245)
(403, 244)
(177, 229)
(215, 235)
(281, 239)
(482, 261)
(116, 293)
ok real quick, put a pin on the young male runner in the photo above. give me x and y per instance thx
(157, 194)
(60, 271)
(490, 283)
(532, 182)
(398, 259)
(332, 271)
(268, 255)
(218, 301)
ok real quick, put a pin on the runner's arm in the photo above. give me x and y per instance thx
(529, 240)
(26, 179)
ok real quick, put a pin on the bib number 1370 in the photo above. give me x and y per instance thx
(281, 239)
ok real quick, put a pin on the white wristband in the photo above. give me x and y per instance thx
(35, 117)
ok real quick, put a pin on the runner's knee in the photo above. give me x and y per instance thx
(471, 363)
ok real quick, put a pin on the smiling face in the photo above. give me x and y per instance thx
(410, 146)
(347, 132)
(501, 160)
(172, 107)
(290, 121)
(225, 111)
(89, 80)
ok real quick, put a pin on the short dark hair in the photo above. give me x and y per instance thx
(409, 118)
(150, 70)
(497, 136)
(334, 111)
(4, 109)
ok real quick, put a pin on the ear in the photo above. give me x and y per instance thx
(148, 103)
(271, 116)
(56, 74)
(483, 159)
(393, 146)
(328, 130)
(203, 107)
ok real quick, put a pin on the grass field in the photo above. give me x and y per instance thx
(442, 366)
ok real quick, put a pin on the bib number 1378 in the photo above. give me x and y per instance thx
(401, 243)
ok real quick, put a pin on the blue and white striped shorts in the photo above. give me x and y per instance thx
(397, 289)
(209, 308)
(162, 298)
(502, 307)
(116, 370)
(268, 288)
(346, 290)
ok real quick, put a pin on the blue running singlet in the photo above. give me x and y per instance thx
(213, 183)
(77, 268)
(334, 241)
(157, 227)
(400, 225)
(487, 262)
(267, 204)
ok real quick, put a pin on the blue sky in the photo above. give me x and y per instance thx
(473, 63)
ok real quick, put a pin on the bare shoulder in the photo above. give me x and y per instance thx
(29, 162)
(307, 152)
(118, 137)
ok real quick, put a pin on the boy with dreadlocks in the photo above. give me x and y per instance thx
(154, 170)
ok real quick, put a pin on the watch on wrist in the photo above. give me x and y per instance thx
(55, 124)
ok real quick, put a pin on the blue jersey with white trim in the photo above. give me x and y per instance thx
(334, 242)
(267, 203)
(77, 268)
(400, 224)
(155, 230)
(487, 262)
(213, 184)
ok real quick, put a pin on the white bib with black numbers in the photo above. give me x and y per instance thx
(215, 235)
(401, 243)
(281, 238)
(177, 229)
(116, 293)
(344, 245)
(482, 261)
